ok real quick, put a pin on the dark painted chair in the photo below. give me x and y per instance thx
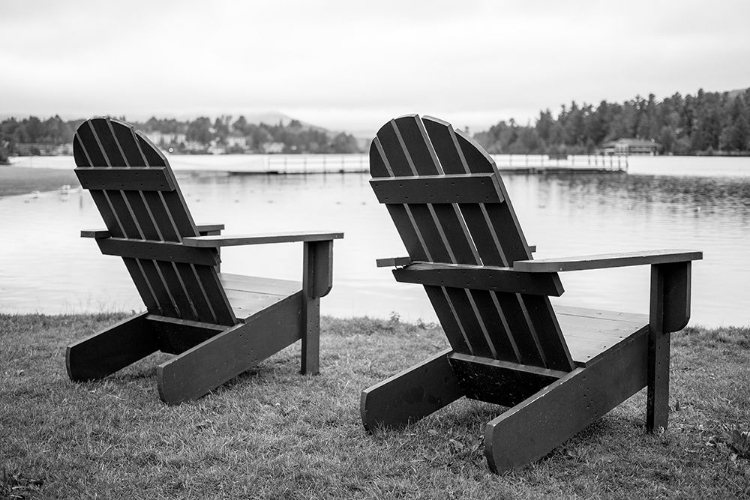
(218, 324)
(558, 370)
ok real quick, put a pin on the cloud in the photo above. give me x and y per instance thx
(346, 64)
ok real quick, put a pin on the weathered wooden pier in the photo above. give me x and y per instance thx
(359, 163)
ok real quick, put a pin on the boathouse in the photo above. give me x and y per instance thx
(631, 147)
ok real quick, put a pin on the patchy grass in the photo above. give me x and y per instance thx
(21, 180)
(272, 433)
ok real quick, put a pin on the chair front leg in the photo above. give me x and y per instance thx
(669, 312)
(317, 281)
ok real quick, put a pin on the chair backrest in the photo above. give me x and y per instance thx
(137, 195)
(445, 215)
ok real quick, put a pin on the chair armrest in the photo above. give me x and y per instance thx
(393, 262)
(604, 261)
(209, 229)
(259, 239)
(95, 233)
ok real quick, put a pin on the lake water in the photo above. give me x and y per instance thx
(664, 202)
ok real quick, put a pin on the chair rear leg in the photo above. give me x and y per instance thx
(411, 394)
(111, 350)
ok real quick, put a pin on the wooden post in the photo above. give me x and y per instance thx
(317, 281)
(669, 312)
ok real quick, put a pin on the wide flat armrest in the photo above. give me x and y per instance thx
(393, 262)
(95, 233)
(259, 239)
(209, 228)
(603, 261)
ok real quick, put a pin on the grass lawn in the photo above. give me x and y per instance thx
(272, 433)
(22, 180)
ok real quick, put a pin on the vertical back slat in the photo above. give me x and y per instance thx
(506, 326)
(531, 314)
(159, 274)
(186, 291)
(87, 153)
(406, 154)
(414, 243)
(170, 209)
(450, 232)
(502, 313)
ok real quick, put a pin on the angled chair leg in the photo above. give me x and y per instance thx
(310, 336)
(657, 401)
(111, 350)
(317, 280)
(411, 394)
(208, 365)
(532, 429)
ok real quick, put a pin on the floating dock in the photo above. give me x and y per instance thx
(518, 164)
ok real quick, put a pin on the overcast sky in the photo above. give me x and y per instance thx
(349, 65)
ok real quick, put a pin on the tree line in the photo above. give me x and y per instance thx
(34, 136)
(707, 123)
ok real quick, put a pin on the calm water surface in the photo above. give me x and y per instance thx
(46, 267)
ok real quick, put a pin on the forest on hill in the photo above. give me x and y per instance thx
(34, 136)
(706, 123)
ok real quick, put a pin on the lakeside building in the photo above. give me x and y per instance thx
(631, 147)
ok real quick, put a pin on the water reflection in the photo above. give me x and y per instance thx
(46, 267)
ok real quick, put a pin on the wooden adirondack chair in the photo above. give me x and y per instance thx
(219, 324)
(557, 371)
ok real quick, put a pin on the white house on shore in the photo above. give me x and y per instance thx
(631, 147)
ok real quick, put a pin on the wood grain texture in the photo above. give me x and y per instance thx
(592, 333)
(410, 395)
(606, 261)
